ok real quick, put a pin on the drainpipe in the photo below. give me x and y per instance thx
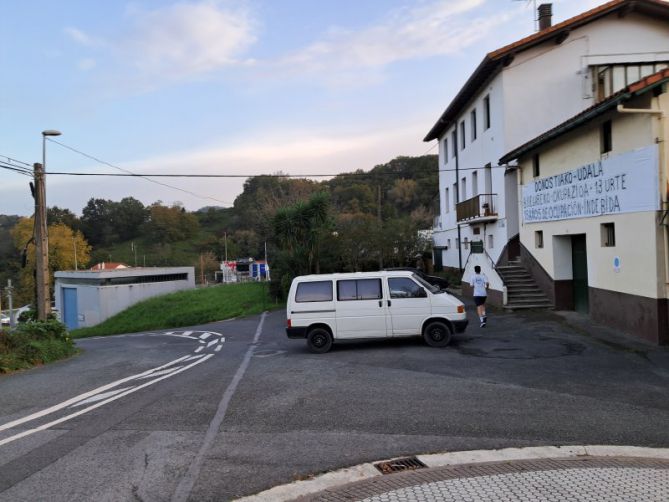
(457, 191)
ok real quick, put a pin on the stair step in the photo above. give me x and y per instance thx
(533, 294)
(528, 306)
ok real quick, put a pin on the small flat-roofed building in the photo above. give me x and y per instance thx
(88, 297)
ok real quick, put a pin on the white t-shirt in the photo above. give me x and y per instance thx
(478, 282)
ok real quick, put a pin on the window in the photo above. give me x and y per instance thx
(445, 150)
(486, 112)
(456, 195)
(448, 243)
(473, 123)
(457, 243)
(447, 200)
(462, 135)
(403, 287)
(359, 289)
(608, 235)
(319, 291)
(539, 239)
(490, 242)
(535, 166)
(463, 189)
(476, 230)
(475, 184)
(605, 137)
(454, 142)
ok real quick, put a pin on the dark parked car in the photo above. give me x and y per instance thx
(439, 282)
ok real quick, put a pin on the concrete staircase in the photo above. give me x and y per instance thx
(522, 290)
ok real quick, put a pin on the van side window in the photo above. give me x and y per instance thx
(319, 291)
(402, 287)
(359, 289)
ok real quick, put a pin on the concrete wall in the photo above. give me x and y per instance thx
(96, 303)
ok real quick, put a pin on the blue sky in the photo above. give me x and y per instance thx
(232, 87)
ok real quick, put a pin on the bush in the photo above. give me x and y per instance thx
(32, 343)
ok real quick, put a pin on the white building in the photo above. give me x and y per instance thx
(87, 297)
(594, 195)
(515, 93)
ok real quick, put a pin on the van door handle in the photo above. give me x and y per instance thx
(389, 303)
(380, 303)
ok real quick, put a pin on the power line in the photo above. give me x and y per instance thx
(11, 160)
(19, 170)
(130, 173)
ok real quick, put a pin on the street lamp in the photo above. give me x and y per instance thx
(41, 235)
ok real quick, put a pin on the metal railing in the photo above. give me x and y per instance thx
(480, 206)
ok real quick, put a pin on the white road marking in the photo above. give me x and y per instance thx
(97, 405)
(157, 373)
(205, 335)
(213, 342)
(199, 348)
(193, 357)
(219, 347)
(100, 397)
(85, 395)
(187, 333)
(180, 336)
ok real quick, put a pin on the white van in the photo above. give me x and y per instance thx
(367, 305)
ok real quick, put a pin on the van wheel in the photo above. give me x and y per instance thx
(319, 340)
(437, 334)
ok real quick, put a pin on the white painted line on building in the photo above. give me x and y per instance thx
(219, 347)
(85, 395)
(205, 335)
(101, 403)
(100, 397)
(200, 348)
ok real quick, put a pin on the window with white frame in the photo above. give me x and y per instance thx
(486, 112)
(447, 200)
(475, 184)
(462, 135)
(472, 119)
(445, 150)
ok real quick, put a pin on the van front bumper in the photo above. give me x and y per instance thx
(460, 326)
(296, 332)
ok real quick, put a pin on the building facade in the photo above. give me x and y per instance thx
(594, 197)
(514, 94)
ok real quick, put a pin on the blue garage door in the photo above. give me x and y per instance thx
(70, 314)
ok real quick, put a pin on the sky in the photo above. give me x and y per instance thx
(243, 87)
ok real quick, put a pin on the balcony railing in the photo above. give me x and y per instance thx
(479, 208)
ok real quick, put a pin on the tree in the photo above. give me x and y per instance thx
(64, 216)
(62, 244)
(127, 218)
(170, 224)
(356, 234)
(97, 221)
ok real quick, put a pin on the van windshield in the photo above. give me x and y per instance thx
(432, 289)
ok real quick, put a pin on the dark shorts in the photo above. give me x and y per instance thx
(480, 300)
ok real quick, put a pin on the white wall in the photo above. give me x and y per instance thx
(541, 88)
(638, 237)
(96, 303)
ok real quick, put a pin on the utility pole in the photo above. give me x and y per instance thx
(41, 245)
(9, 289)
(378, 215)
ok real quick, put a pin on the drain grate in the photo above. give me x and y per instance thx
(400, 464)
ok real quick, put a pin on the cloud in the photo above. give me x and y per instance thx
(429, 29)
(86, 64)
(82, 38)
(185, 40)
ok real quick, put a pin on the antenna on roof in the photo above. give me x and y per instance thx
(534, 9)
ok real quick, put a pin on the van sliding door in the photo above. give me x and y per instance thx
(361, 311)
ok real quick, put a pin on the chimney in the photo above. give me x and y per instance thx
(545, 16)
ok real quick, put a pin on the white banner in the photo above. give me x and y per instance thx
(624, 183)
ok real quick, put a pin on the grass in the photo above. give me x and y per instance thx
(187, 308)
(34, 343)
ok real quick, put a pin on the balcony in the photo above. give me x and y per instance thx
(479, 209)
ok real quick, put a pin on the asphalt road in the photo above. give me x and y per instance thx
(233, 408)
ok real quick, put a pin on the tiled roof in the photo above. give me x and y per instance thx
(494, 61)
(108, 265)
(640, 87)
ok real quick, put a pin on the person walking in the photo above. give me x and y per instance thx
(480, 284)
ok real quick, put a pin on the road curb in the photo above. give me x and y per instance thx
(362, 472)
